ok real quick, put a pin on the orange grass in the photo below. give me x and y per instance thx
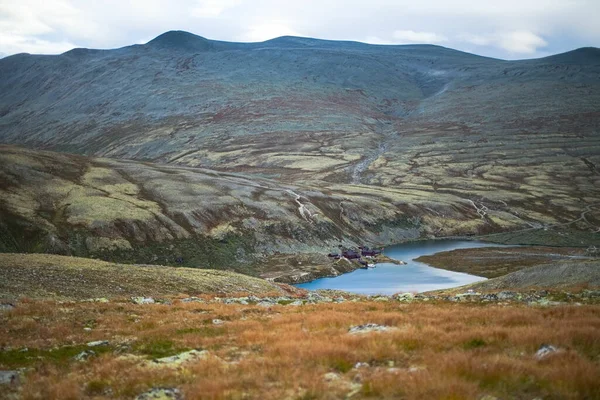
(437, 351)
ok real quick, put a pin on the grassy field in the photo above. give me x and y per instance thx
(430, 351)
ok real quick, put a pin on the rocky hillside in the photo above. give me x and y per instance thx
(236, 151)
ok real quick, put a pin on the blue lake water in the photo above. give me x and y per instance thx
(413, 277)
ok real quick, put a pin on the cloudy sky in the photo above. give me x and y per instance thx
(509, 29)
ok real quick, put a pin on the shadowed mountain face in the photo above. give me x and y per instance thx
(435, 134)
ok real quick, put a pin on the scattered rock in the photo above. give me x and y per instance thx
(97, 300)
(335, 380)
(192, 300)
(416, 368)
(84, 355)
(405, 297)
(488, 397)
(331, 377)
(545, 350)
(87, 329)
(143, 300)
(296, 303)
(265, 303)
(9, 377)
(366, 328)
(98, 343)
(182, 358)
(359, 365)
(6, 307)
(506, 295)
(217, 321)
(161, 394)
(381, 298)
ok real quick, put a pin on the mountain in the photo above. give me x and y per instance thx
(381, 142)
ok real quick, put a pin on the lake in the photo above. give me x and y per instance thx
(414, 277)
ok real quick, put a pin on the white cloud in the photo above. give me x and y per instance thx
(478, 40)
(12, 44)
(522, 42)
(376, 40)
(418, 37)
(514, 42)
(266, 31)
(213, 8)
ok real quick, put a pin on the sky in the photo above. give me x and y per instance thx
(508, 29)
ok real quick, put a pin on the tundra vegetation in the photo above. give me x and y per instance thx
(434, 350)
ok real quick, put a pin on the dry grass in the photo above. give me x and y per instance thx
(439, 351)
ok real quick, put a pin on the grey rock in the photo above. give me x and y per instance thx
(6, 307)
(98, 343)
(506, 295)
(405, 297)
(545, 350)
(381, 298)
(192, 300)
(367, 328)
(84, 355)
(182, 358)
(9, 377)
(161, 394)
(143, 300)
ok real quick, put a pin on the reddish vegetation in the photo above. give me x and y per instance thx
(440, 351)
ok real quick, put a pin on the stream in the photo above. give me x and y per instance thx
(389, 278)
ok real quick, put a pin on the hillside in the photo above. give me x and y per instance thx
(361, 349)
(222, 154)
(71, 278)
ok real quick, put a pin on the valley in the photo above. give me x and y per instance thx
(158, 200)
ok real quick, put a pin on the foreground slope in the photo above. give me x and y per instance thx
(433, 350)
(58, 278)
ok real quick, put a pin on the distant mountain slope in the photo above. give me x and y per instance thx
(381, 143)
(187, 100)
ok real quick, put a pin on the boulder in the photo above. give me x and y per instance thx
(161, 394)
(98, 343)
(84, 355)
(143, 300)
(9, 377)
(182, 358)
(545, 350)
(367, 328)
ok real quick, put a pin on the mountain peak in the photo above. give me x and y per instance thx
(180, 40)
